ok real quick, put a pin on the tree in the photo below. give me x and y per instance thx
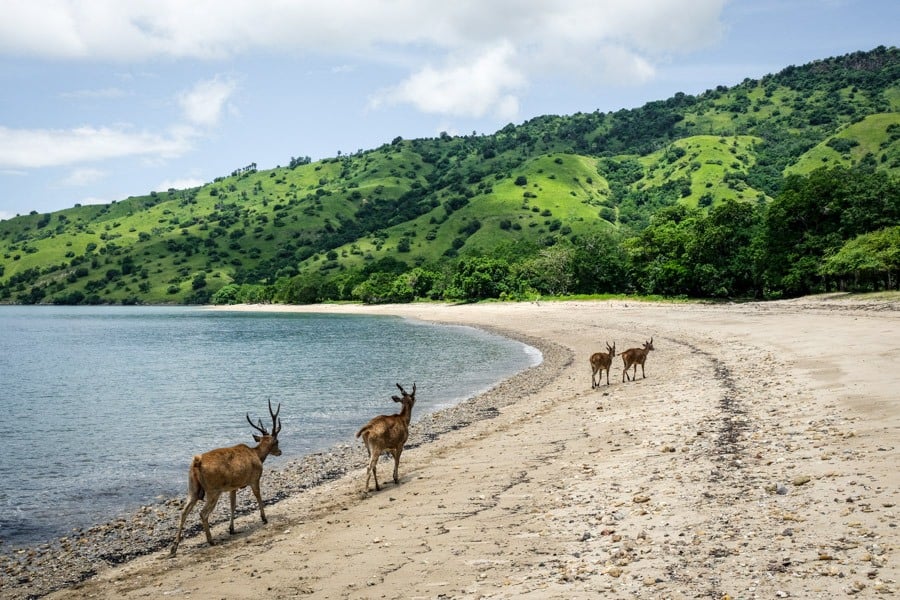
(658, 254)
(550, 272)
(479, 277)
(872, 259)
(413, 284)
(377, 289)
(720, 251)
(814, 216)
(600, 264)
(226, 295)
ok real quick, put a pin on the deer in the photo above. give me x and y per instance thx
(601, 361)
(229, 470)
(388, 433)
(634, 357)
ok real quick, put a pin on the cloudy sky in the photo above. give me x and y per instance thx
(104, 99)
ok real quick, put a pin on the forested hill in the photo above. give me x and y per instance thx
(774, 187)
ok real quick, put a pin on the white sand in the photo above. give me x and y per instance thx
(666, 487)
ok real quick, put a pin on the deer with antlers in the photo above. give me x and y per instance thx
(634, 357)
(388, 433)
(229, 470)
(601, 361)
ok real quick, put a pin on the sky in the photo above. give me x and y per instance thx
(104, 99)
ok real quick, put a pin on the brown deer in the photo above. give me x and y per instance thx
(601, 361)
(388, 433)
(635, 357)
(229, 470)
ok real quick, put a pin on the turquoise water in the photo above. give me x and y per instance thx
(101, 408)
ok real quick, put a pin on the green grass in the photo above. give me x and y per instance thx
(870, 135)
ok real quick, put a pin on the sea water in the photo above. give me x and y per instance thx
(101, 408)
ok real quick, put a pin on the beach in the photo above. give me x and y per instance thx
(757, 459)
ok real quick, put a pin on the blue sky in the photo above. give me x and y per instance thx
(104, 99)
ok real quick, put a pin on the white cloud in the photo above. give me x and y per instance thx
(34, 148)
(178, 184)
(204, 104)
(448, 49)
(101, 94)
(471, 88)
(96, 200)
(82, 177)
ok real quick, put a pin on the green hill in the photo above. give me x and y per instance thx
(553, 182)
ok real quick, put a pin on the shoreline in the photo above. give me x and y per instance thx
(41, 568)
(757, 459)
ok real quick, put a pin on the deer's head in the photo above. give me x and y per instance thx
(612, 349)
(268, 438)
(406, 399)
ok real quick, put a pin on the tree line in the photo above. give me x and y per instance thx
(834, 229)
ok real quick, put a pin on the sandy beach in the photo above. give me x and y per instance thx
(757, 459)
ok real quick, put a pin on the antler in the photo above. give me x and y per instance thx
(260, 428)
(402, 391)
(276, 422)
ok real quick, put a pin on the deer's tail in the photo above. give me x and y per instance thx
(195, 477)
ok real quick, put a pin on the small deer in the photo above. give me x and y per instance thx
(388, 433)
(634, 357)
(601, 361)
(228, 470)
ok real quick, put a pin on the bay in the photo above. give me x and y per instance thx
(102, 408)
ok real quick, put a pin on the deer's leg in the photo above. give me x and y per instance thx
(397, 465)
(211, 500)
(644, 375)
(373, 462)
(192, 500)
(262, 512)
(232, 497)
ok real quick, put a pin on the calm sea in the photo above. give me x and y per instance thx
(101, 408)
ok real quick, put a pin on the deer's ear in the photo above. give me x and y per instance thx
(396, 398)
(257, 438)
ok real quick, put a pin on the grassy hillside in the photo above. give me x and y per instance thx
(876, 136)
(549, 181)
